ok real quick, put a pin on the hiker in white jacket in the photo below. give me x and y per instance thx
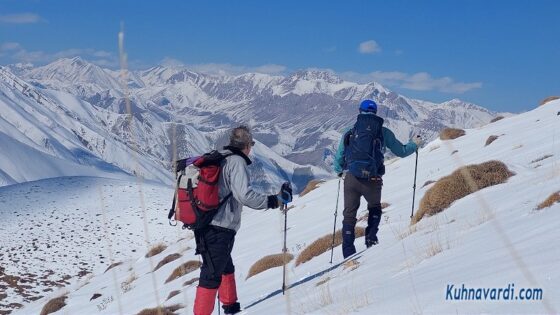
(215, 242)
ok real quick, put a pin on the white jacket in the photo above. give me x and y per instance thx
(234, 179)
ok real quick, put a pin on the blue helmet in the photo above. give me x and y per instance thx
(368, 106)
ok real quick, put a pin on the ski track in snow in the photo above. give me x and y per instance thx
(407, 273)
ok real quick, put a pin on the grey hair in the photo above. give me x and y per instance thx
(240, 137)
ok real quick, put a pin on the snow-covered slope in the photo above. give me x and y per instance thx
(50, 126)
(290, 114)
(407, 273)
(58, 132)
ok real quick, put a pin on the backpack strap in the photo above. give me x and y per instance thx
(347, 136)
(172, 210)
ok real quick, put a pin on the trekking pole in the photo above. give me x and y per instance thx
(414, 187)
(285, 249)
(218, 301)
(335, 214)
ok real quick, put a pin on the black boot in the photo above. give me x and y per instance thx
(374, 218)
(348, 236)
(232, 309)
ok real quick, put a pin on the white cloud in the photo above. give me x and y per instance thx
(20, 18)
(171, 62)
(8, 46)
(369, 47)
(221, 69)
(421, 81)
(15, 52)
(270, 69)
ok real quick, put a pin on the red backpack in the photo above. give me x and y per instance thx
(196, 199)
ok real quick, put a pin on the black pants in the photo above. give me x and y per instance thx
(215, 245)
(354, 189)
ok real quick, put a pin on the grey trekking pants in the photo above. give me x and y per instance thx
(354, 189)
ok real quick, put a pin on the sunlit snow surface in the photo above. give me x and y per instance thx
(514, 243)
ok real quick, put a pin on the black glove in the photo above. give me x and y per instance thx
(272, 202)
(285, 195)
(340, 174)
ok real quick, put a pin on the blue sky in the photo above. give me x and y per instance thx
(499, 54)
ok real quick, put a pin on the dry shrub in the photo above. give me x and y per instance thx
(495, 119)
(544, 157)
(407, 232)
(549, 99)
(172, 294)
(113, 265)
(490, 140)
(156, 249)
(451, 133)
(169, 258)
(189, 282)
(312, 185)
(365, 214)
(323, 244)
(268, 262)
(363, 217)
(455, 186)
(54, 305)
(434, 248)
(323, 281)
(182, 270)
(166, 310)
(552, 199)
(126, 285)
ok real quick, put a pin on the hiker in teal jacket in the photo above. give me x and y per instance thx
(360, 152)
(390, 141)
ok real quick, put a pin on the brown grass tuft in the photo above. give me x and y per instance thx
(169, 258)
(54, 305)
(385, 205)
(495, 119)
(323, 244)
(490, 140)
(182, 270)
(455, 186)
(156, 249)
(172, 294)
(268, 262)
(549, 99)
(166, 310)
(323, 281)
(312, 185)
(451, 133)
(552, 199)
(113, 265)
(191, 281)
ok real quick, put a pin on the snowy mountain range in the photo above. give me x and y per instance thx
(91, 236)
(298, 116)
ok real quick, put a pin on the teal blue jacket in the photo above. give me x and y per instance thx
(391, 142)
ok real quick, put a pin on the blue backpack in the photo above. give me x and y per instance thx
(363, 145)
